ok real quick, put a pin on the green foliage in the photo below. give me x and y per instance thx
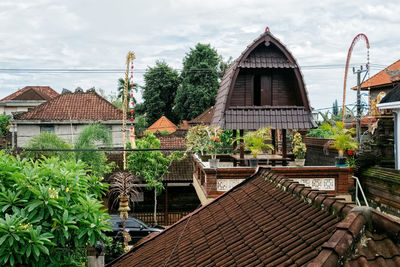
(112, 250)
(197, 138)
(88, 138)
(256, 141)
(141, 124)
(150, 165)
(48, 141)
(161, 84)
(48, 207)
(321, 132)
(121, 85)
(4, 124)
(199, 86)
(342, 137)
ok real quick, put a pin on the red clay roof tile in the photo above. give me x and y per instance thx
(77, 106)
(163, 124)
(380, 79)
(32, 93)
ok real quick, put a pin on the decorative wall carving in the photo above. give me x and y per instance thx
(327, 184)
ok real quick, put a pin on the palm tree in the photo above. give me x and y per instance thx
(121, 85)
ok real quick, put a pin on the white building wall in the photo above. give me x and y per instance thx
(65, 131)
(26, 132)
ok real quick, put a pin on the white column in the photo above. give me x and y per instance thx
(396, 113)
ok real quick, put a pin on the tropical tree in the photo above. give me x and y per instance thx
(121, 86)
(161, 84)
(90, 136)
(47, 140)
(4, 124)
(150, 165)
(50, 211)
(200, 76)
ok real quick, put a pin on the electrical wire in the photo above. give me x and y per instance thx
(117, 70)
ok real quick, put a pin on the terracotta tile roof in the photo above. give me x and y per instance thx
(180, 171)
(169, 141)
(163, 124)
(375, 250)
(32, 93)
(77, 106)
(203, 118)
(380, 79)
(271, 220)
(255, 117)
(255, 223)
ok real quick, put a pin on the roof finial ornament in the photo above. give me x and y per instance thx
(267, 29)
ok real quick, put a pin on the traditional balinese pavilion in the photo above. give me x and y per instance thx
(263, 87)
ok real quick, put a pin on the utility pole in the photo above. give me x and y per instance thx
(358, 125)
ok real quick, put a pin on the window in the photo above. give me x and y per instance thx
(47, 129)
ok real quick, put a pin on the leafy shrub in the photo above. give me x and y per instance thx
(48, 141)
(4, 124)
(321, 132)
(87, 139)
(49, 211)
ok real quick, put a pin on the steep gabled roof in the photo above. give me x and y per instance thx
(269, 220)
(382, 78)
(203, 118)
(163, 124)
(250, 58)
(77, 106)
(32, 93)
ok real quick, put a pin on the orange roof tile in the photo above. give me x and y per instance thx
(381, 78)
(32, 93)
(163, 124)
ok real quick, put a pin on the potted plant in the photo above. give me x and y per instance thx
(256, 142)
(299, 149)
(196, 139)
(213, 144)
(342, 140)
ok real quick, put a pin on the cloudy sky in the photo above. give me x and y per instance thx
(85, 34)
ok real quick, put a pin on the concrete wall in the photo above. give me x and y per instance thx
(67, 132)
(9, 110)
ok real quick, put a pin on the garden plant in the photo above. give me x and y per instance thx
(50, 211)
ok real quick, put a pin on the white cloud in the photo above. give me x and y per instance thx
(98, 34)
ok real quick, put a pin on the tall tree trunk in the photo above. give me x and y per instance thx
(155, 207)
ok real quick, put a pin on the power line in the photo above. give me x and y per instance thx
(117, 70)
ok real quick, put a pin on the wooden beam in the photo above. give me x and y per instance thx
(241, 146)
(284, 149)
(166, 222)
(273, 135)
(234, 145)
